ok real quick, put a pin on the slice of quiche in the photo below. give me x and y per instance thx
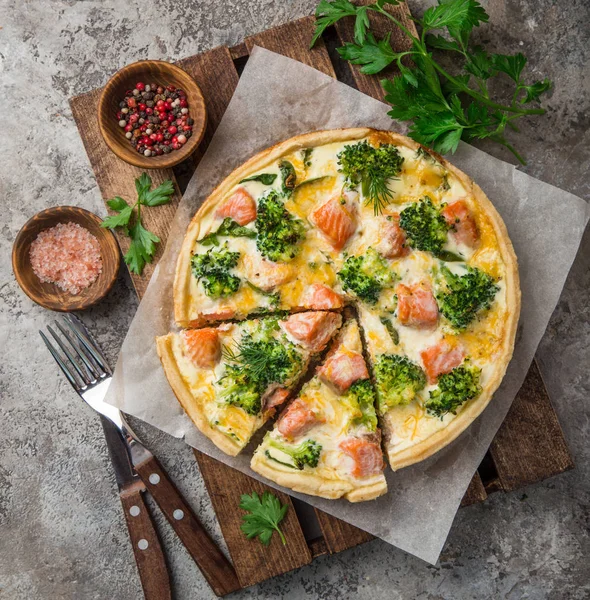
(231, 378)
(327, 443)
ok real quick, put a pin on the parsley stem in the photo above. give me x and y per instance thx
(398, 23)
(281, 535)
(500, 139)
(479, 97)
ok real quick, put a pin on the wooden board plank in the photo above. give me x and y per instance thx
(381, 26)
(530, 445)
(340, 535)
(292, 40)
(117, 178)
(253, 561)
(475, 492)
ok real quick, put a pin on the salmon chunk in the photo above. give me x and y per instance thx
(416, 305)
(440, 359)
(240, 206)
(312, 329)
(266, 274)
(321, 297)
(297, 420)
(366, 454)
(336, 220)
(462, 223)
(203, 347)
(221, 314)
(392, 238)
(343, 368)
(275, 397)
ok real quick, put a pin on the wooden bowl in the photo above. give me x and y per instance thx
(162, 73)
(49, 295)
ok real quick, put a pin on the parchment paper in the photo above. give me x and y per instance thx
(278, 98)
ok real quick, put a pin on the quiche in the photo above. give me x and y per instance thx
(354, 218)
(327, 442)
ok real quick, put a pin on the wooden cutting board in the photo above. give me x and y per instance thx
(529, 446)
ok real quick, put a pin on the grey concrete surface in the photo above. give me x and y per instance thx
(62, 533)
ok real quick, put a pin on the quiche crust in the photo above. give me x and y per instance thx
(308, 482)
(314, 484)
(187, 400)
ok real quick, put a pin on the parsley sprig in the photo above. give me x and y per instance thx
(128, 217)
(264, 515)
(444, 107)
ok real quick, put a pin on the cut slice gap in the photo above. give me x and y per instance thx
(229, 392)
(326, 442)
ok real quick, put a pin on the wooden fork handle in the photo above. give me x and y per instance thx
(149, 557)
(216, 568)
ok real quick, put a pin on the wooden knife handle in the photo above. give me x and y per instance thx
(149, 557)
(216, 568)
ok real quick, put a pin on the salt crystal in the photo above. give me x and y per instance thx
(67, 255)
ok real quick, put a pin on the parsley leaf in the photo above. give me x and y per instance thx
(264, 515)
(328, 13)
(511, 65)
(533, 92)
(142, 184)
(117, 203)
(160, 195)
(120, 220)
(373, 55)
(143, 242)
(142, 248)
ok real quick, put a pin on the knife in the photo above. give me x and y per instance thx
(136, 471)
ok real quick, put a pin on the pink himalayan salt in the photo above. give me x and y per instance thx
(67, 255)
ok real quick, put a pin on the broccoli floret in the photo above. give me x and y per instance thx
(212, 270)
(306, 453)
(465, 296)
(371, 167)
(398, 381)
(361, 396)
(279, 231)
(239, 389)
(257, 361)
(454, 388)
(366, 275)
(426, 229)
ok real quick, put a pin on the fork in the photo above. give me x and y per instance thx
(136, 469)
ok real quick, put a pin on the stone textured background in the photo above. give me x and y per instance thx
(62, 533)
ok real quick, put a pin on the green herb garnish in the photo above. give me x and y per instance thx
(227, 228)
(264, 513)
(143, 242)
(372, 168)
(264, 178)
(445, 106)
